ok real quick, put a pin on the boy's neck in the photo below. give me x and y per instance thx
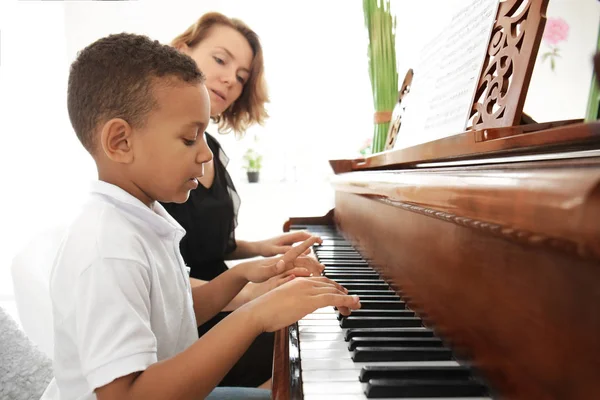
(127, 185)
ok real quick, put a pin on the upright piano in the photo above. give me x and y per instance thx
(476, 256)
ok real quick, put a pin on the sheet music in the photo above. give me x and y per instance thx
(446, 79)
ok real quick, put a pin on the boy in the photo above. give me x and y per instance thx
(125, 317)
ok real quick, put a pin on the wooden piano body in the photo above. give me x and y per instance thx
(493, 236)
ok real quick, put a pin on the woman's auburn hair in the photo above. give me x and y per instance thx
(249, 108)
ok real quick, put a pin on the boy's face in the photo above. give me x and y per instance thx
(169, 152)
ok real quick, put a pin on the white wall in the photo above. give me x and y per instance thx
(315, 53)
(43, 173)
(562, 94)
(318, 80)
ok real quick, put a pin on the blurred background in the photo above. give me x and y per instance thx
(317, 71)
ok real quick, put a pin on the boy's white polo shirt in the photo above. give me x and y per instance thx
(120, 293)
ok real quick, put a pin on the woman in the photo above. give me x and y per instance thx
(229, 54)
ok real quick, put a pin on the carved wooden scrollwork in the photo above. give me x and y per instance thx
(508, 65)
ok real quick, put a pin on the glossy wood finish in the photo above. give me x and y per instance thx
(534, 204)
(518, 139)
(502, 260)
(281, 366)
(526, 316)
(326, 219)
(287, 378)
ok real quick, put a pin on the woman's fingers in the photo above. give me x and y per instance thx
(294, 237)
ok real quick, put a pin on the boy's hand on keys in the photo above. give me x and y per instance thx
(293, 300)
(262, 270)
(308, 263)
(258, 289)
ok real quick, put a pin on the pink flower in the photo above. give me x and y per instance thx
(556, 31)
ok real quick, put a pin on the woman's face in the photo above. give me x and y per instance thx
(224, 57)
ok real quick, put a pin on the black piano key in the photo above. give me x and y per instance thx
(368, 304)
(423, 372)
(376, 354)
(394, 342)
(327, 259)
(357, 281)
(334, 241)
(369, 283)
(328, 273)
(370, 292)
(334, 263)
(331, 235)
(334, 246)
(380, 322)
(390, 296)
(341, 253)
(365, 286)
(380, 303)
(339, 257)
(387, 332)
(335, 250)
(380, 313)
(349, 276)
(399, 388)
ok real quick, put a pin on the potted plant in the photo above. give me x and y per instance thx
(253, 165)
(381, 29)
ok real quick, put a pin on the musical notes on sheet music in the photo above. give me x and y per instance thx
(446, 79)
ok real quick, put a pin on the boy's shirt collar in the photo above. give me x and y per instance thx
(157, 217)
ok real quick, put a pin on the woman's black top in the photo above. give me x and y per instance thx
(209, 218)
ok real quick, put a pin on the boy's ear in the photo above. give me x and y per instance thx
(115, 140)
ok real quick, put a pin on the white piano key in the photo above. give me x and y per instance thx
(323, 336)
(318, 354)
(317, 322)
(354, 388)
(327, 375)
(331, 317)
(332, 396)
(319, 329)
(323, 344)
(348, 364)
(324, 310)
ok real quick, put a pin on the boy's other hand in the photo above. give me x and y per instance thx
(262, 270)
(295, 299)
(282, 243)
(258, 289)
(308, 263)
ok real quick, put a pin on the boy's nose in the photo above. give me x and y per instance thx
(204, 155)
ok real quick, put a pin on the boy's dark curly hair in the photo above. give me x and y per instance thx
(113, 78)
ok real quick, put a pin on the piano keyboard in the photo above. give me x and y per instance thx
(380, 351)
